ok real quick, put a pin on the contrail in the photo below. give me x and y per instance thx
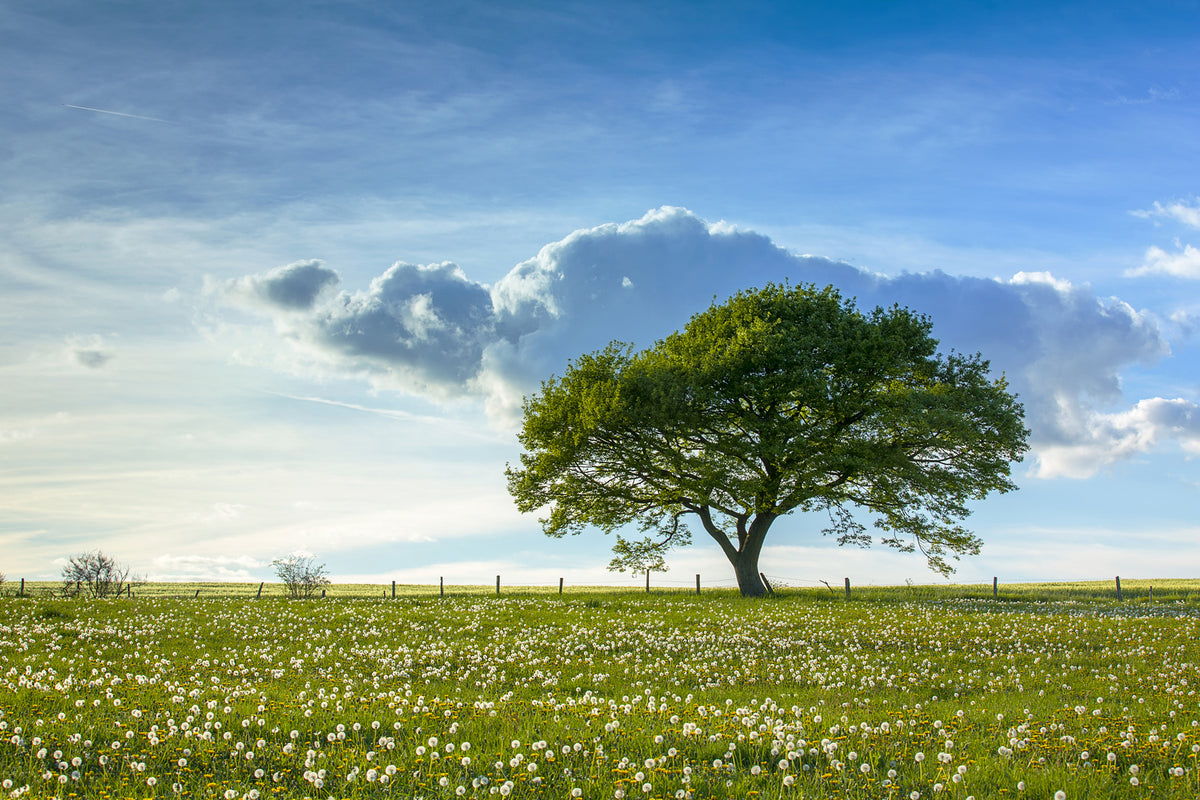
(395, 414)
(118, 113)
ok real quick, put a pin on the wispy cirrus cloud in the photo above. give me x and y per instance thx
(1180, 211)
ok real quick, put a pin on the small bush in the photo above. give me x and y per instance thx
(301, 576)
(97, 575)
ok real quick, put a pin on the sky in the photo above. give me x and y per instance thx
(275, 277)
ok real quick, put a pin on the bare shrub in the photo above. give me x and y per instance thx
(301, 575)
(97, 575)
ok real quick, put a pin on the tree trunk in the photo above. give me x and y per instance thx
(744, 558)
(749, 581)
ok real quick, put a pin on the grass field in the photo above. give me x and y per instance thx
(903, 692)
(1173, 589)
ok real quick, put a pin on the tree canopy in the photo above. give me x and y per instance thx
(779, 399)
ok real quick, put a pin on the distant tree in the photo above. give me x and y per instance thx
(97, 575)
(301, 575)
(779, 399)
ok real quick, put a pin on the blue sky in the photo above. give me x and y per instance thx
(276, 275)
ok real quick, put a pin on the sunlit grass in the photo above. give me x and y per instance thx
(605, 694)
(182, 590)
(1170, 589)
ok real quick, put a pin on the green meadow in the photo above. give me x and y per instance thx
(1048, 690)
(1172, 589)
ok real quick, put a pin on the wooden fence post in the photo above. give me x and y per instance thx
(1151, 594)
(442, 587)
(560, 580)
(767, 583)
(1118, 587)
(497, 586)
(847, 588)
(22, 587)
(259, 595)
(393, 590)
(995, 589)
(197, 594)
(647, 580)
(697, 583)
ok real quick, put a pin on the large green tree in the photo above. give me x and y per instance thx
(779, 399)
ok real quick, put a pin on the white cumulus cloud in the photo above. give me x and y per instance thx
(432, 330)
(1103, 439)
(1184, 262)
